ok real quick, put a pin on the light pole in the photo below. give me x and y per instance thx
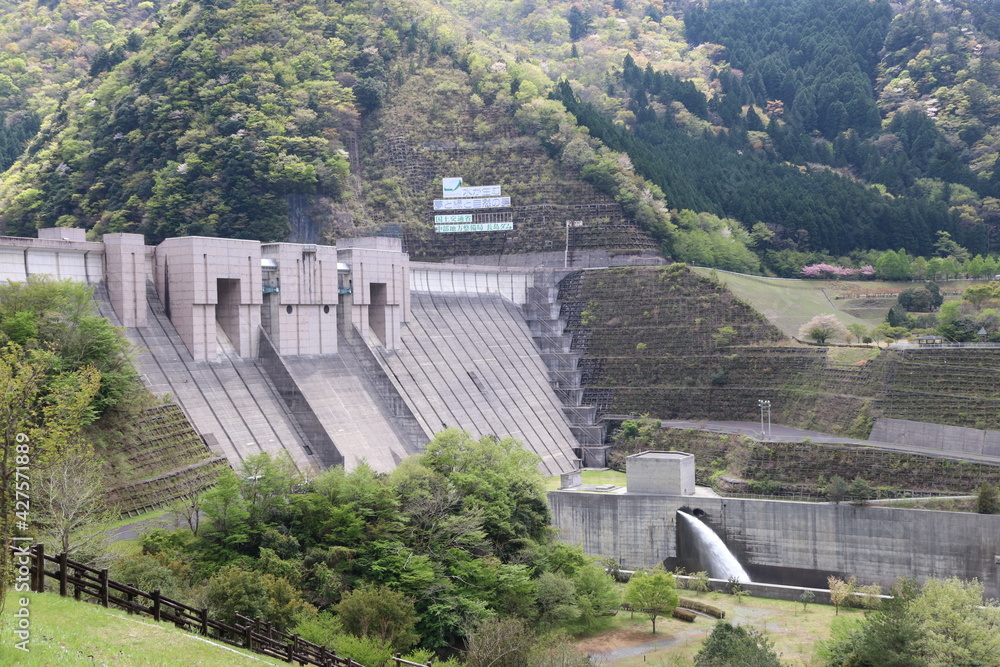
(765, 405)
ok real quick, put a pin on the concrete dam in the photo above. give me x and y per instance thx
(331, 354)
(340, 354)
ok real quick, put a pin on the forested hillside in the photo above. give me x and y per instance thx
(750, 136)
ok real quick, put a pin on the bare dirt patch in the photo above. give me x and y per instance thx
(613, 639)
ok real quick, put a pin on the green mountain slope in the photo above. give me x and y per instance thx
(798, 131)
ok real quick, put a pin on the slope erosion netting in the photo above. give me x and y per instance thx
(433, 130)
(960, 387)
(672, 344)
(163, 460)
(737, 464)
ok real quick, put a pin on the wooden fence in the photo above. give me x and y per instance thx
(94, 585)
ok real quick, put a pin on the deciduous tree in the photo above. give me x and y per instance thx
(499, 642)
(380, 613)
(70, 509)
(652, 593)
(41, 413)
(822, 328)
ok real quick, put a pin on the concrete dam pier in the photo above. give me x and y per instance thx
(331, 354)
(779, 542)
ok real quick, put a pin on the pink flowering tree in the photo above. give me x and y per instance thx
(836, 272)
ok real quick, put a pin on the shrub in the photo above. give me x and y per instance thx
(703, 607)
(986, 501)
(684, 615)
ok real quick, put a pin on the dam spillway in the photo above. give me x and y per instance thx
(715, 556)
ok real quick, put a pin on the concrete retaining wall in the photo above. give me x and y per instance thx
(787, 542)
(950, 439)
(578, 259)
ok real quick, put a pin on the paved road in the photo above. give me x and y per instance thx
(131, 531)
(781, 433)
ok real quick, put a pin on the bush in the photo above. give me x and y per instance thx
(730, 645)
(684, 615)
(986, 501)
(700, 582)
(703, 607)
(145, 573)
(381, 613)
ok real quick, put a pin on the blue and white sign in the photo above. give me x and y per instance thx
(458, 217)
(475, 227)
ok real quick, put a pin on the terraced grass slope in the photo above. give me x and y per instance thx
(163, 458)
(789, 303)
(960, 387)
(674, 343)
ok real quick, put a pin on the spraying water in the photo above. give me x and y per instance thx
(722, 564)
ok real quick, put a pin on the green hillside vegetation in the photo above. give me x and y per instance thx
(96, 442)
(446, 546)
(225, 119)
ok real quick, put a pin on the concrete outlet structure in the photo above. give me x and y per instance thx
(670, 473)
(780, 542)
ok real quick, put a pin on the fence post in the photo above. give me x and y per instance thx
(39, 568)
(156, 604)
(62, 574)
(77, 588)
(104, 587)
(204, 622)
(293, 648)
(248, 637)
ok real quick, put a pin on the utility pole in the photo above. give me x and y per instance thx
(765, 405)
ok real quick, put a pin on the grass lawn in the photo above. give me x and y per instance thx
(847, 356)
(788, 304)
(67, 632)
(591, 477)
(795, 633)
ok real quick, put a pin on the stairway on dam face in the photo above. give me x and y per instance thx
(547, 325)
(230, 402)
(469, 362)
